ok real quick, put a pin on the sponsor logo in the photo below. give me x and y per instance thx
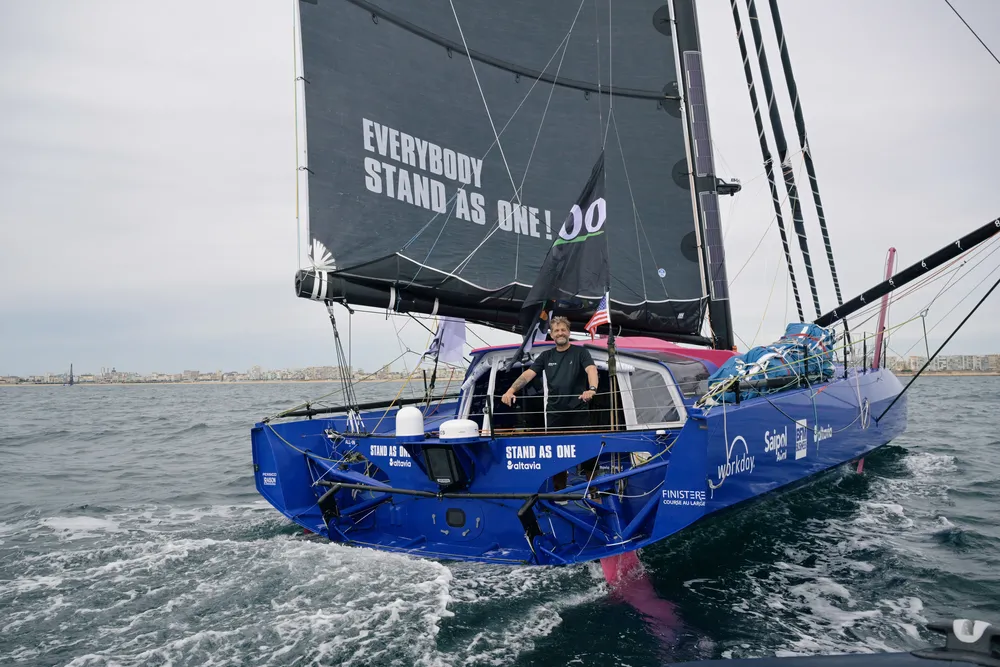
(400, 463)
(801, 438)
(683, 498)
(540, 452)
(777, 442)
(738, 460)
(822, 433)
(270, 478)
(523, 465)
(390, 451)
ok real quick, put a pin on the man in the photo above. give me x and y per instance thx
(571, 376)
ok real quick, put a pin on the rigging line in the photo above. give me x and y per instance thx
(775, 217)
(945, 316)
(541, 124)
(524, 99)
(638, 219)
(800, 125)
(788, 175)
(496, 225)
(335, 392)
(768, 304)
(635, 210)
(482, 95)
(611, 87)
(600, 103)
(948, 285)
(923, 311)
(430, 250)
(973, 32)
(767, 157)
(548, 101)
(872, 310)
(936, 352)
(418, 317)
(513, 68)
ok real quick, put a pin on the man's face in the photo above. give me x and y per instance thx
(560, 333)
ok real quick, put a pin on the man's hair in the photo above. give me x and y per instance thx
(559, 319)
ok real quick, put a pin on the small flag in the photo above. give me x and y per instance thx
(449, 341)
(602, 316)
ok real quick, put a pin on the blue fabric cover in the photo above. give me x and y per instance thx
(804, 349)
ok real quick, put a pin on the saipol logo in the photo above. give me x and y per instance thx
(801, 438)
(777, 442)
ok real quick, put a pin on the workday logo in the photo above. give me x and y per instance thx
(738, 459)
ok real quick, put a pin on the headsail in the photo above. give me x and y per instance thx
(446, 139)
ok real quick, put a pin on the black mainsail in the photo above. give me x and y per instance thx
(447, 141)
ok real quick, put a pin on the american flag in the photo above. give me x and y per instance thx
(602, 316)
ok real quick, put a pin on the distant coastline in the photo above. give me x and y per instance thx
(190, 382)
(901, 373)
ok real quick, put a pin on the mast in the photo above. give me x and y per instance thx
(704, 195)
(782, 145)
(768, 159)
(800, 126)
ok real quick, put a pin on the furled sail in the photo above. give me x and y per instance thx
(447, 142)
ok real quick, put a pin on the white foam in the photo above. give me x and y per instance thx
(79, 527)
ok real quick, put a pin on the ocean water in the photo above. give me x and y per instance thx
(131, 534)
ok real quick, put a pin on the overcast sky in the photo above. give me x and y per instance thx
(147, 176)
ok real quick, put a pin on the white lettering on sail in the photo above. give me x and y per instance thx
(407, 169)
(384, 178)
(522, 219)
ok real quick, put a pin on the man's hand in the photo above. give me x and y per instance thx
(587, 395)
(508, 399)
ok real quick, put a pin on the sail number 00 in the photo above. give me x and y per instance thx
(593, 221)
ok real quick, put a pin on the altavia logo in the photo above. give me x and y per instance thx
(801, 438)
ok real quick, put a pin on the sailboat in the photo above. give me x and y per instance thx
(448, 146)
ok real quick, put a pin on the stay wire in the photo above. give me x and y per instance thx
(973, 32)
(938, 351)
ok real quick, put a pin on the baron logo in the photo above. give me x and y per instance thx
(776, 441)
(801, 438)
(270, 478)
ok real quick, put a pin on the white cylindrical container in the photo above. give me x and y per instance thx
(409, 424)
(459, 430)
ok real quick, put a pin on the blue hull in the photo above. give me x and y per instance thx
(646, 485)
